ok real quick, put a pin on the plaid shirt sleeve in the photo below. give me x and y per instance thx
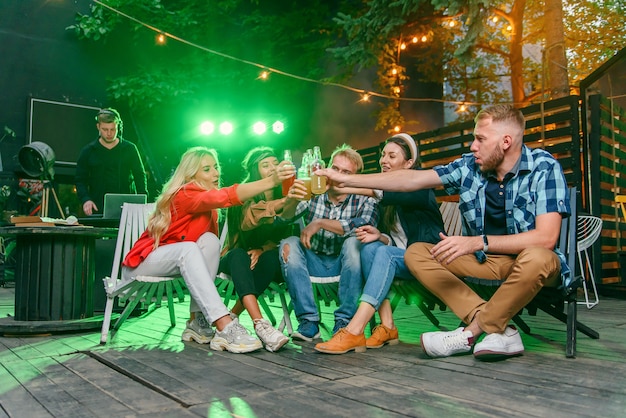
(364, 211)
(355, 211)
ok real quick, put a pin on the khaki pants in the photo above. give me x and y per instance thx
(524, 276)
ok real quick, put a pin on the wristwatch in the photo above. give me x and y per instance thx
(485, 243)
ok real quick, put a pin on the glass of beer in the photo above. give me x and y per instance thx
(318, 184)
(307, 184)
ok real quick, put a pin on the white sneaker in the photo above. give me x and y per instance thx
(198, 330)
(495, 345)
(234, 338)
(270, 336)
(444, 344)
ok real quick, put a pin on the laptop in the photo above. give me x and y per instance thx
(113, 203)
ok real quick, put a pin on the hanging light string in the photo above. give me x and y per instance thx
(365, 94)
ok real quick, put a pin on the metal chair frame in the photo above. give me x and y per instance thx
(588, 230)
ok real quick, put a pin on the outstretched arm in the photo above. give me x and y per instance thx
(247, 191)
(397, 180)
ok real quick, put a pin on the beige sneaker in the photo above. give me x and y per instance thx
(198, 330)
(234, 338)
(272, 338)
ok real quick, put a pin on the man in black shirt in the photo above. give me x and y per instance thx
(109, 164)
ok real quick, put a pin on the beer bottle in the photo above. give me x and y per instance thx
(287, 182)
(318, 183)
(304, 173)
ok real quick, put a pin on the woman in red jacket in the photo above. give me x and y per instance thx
(181, 239)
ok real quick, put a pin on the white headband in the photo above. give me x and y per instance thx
(410, 142)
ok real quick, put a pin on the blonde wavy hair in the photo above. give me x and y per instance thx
(190, 163)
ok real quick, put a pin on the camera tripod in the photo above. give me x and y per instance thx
(45, 199)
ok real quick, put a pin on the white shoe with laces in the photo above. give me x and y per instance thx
(494, 346)
(234, 338)
(444, 344)
(270, 336)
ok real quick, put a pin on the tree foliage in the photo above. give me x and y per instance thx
(479, 51)
(492, 51)
(276, 34)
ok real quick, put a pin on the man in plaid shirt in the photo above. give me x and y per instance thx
(326, 246)
(512, 200)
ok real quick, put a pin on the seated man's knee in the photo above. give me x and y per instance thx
(351, 247)
(418, 251)
(285, 247)
(285, 252)
(539, 258)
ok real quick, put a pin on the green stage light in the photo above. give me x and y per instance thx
(278, 127)
(259, 128)
(207, 128)
(226, 128)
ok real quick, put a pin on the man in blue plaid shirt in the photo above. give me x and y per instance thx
(326, 246)
(512, 200)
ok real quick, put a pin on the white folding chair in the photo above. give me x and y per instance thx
(139, 289)
(588, 230)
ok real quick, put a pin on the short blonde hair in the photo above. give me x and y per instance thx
(503, 113)
(347, 151)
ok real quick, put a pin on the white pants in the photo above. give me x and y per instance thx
(197, 263)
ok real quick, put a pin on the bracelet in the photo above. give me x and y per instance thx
(485, 243)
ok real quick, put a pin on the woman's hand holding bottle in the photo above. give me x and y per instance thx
(298, 190)
(284, 171)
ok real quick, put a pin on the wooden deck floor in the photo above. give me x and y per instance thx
(146, 370)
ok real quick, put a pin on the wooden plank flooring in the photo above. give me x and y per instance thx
(146, 370)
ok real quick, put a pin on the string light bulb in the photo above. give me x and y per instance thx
(161, 38)
(414, 39)
(396, 128)
(394, 71)
(264, 75)
(424, 38)
(396, 90)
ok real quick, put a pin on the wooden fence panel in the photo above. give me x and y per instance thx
(604, 155)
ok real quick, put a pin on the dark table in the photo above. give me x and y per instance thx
(55, 271)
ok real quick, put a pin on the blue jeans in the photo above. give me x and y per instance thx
(381, 263)
(302, 263)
